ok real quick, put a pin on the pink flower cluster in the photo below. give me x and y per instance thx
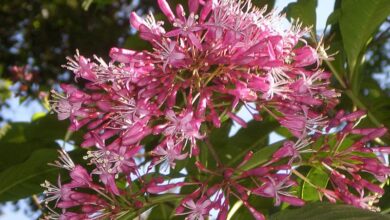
(218, 56)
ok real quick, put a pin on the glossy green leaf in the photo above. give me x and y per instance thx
(326, 211)
(255, 135)
(20, 139)
(359, 19)
(384, 201)
(220, 136)
(304, 10)
(261, 156)
(46, 127)
(319, 178)
(333, 17)
(15, 153)
(24, 179)
(13, 132)
(161, 211)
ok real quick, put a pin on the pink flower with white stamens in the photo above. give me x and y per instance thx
(197, 210)
(169, 153)
(143, 110)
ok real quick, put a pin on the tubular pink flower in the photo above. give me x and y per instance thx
(305, 56)
(256, 214)
(166, 9)
(193, 6)
(196, 210)
(135, 21)
(170, 153)
(143, 110)
(155, 189)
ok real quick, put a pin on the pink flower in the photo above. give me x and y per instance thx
(170, 153)
(241, 92)
(186, 28)
(81, 66)
(66, 108)
(301, 124)
(56, 193)
(256, 214)
(276, 87)
(170, 55)
(197, 210)
(80, 177)
(291, 150)
(184, 126)
(142, 108)
(305, 56)
(273, 187)
(365, 202)
(155, 189)
(166, 9)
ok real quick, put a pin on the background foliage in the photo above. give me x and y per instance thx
(37, 35)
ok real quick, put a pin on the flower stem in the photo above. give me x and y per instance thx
(336, 74)
(303, 178)
(355, 99)
(213, 152)
(361, 105)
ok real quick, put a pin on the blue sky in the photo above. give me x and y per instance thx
(19, 112)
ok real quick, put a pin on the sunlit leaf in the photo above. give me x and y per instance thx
(319, 178)
(359, 19)
(261, 156)
(304, 10)
(24, 179)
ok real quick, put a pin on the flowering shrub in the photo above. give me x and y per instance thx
(152, 112)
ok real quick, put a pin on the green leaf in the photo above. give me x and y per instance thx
(15, 153)
(304, 10)
(333, 17)
(136, 43)
(5, 92)
(46, 127)
(220, 136)
(161, 211)
(384, 201)
(19, 140)
(326, 211)
(24, 179)
(359, 19)
(261, 156)
(318, 177)
(13, 132)
(232, 149)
